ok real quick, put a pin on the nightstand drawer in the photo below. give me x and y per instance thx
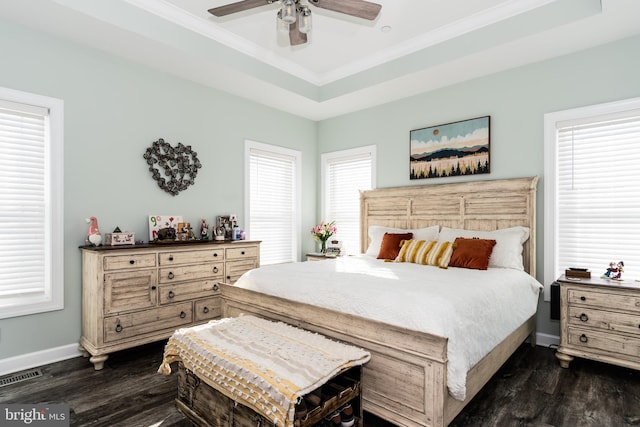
(604, 320)
(604, 300)
(605, 342)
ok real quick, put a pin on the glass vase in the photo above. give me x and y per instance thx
(323, 246)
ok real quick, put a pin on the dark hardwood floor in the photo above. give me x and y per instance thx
(529, 390)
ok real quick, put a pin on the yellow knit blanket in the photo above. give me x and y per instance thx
(266, 366)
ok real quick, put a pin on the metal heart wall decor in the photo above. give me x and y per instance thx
(173, 168)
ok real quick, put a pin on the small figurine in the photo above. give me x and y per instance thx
(611, 270)
(204, 230)
(620, 269)
(93, 234)
(614, 271)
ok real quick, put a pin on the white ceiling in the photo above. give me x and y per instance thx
(349, 63)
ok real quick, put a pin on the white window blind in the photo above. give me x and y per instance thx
(273, 202)
(594, 191)
(30, 248)
(346, 173)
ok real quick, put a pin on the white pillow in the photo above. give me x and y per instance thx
(376, 233)
(507, 253)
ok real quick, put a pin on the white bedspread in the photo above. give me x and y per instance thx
(474, 309)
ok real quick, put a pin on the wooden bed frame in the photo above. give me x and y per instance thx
(405, 382)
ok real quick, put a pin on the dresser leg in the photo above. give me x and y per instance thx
(82, 350)
(98, 361)
(564, 359)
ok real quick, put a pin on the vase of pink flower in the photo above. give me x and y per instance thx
(322, 232)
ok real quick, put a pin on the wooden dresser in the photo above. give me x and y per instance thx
(599, 320)
(133, 295)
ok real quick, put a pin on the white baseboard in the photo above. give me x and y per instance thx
(546, 340)
(38, 358)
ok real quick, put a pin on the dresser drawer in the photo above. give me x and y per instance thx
(587, 317)
(192, 272)
(604, 300)
(235, 269)
(147, 321)
(207, 309)
(121, 262)
(190, 257)
(129, 290)
(188, 291)
(241, 252)
(608, 343)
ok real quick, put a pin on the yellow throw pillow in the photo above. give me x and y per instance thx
(425, 253)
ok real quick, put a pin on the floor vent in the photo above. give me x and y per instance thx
(20, 376)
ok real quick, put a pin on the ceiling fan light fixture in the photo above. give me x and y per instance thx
(304, 21)
(288, 11)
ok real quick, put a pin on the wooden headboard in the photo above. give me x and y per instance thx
(478, 205)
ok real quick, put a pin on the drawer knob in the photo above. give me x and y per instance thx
(583, 338)
(132, 261)
(216, 287)
(584, 317)
(170, 275)
(153, 288)
(215, 254)
(242, 252)
(119, 328)
(183, 314)
(215, 269)
(205, 309)
(583, 298)
(171, 294)
(228, 277)
(170, 257)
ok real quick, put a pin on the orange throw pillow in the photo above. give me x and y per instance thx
(390, 246)
(471, 253)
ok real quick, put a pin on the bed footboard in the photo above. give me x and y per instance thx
(405, 380)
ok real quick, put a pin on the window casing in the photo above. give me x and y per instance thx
(31, 203)
(272, 201)
(592, 189)
(344, 174)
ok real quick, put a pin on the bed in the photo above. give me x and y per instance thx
(408, 379)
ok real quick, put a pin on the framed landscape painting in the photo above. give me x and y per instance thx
(453, 149)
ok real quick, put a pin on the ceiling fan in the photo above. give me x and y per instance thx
(295, 18)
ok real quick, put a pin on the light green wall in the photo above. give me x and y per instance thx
(516, 100)
(114, 109)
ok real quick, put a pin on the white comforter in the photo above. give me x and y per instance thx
(474, 309)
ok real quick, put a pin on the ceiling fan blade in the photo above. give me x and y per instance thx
(295, 36)
(359, 8)
(239, 6)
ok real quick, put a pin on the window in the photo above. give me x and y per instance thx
(31, 227)
(344, 175)
(592, 189)
(273, 201)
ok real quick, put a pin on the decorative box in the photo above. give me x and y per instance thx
(117, 239)
(577, 273)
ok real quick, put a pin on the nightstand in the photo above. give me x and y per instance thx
(317, 256)
(599, 320)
